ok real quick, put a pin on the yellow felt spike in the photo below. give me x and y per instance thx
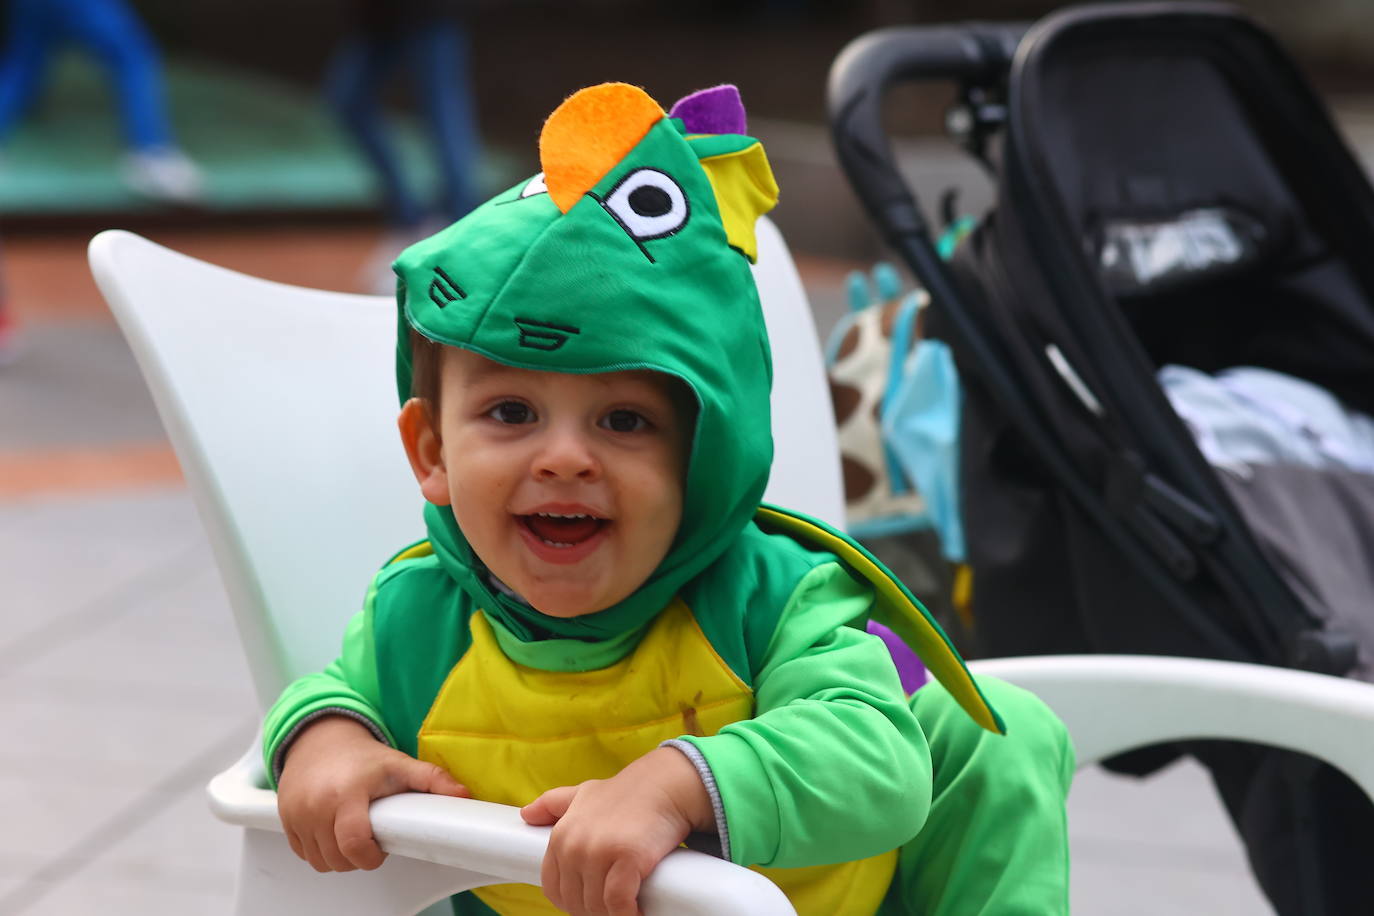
(745, 190)
(589, 133)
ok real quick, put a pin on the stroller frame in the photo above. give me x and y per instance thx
(1168, 516)
(1059, 377)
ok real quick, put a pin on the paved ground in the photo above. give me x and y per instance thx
(121, 683)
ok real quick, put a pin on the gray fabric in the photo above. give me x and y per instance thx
(279, 759)
(718, 845)
(1317, 528)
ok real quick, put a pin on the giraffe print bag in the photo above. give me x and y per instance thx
(896, 399)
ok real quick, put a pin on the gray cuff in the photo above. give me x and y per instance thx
(708, 779)
(279, 758)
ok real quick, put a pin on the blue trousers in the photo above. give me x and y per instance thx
(111, 31)
(435, 54)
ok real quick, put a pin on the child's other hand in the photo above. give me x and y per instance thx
(333, 771)
(610, 833)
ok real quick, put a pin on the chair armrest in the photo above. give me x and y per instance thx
(493, 839)
(1114, 703)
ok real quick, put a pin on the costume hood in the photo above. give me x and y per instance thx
(630, 250)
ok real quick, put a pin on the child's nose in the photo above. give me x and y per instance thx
(566, 454)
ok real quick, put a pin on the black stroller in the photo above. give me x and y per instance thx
(1093, 522)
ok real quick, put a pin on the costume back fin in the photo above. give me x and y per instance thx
(895, 607)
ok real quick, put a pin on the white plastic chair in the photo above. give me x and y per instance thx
(255, 380)
(1115, 703)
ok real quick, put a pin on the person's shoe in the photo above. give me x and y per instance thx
(11, 341)
(165, 174)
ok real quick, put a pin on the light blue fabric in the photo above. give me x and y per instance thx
(921, 424)
(1249, 415)
(902, 330)
(864, 291)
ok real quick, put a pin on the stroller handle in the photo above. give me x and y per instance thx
(872, 64)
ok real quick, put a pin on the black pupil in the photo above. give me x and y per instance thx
(648, 200)
(513, 412)
(624, 421)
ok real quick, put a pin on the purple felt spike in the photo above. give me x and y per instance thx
(717, 110)
(909, 667)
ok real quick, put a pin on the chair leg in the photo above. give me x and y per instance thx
(273, 882)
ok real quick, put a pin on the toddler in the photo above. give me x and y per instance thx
(604, 626)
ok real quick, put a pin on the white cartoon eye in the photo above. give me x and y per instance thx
(649, 204)
(536, 186)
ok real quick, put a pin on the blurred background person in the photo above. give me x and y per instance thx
(426, 40)
(111, 31)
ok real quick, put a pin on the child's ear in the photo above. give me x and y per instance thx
(421, 441)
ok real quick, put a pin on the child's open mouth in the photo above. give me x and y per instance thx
(562, 530)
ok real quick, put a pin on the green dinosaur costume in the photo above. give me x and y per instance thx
(744, 649)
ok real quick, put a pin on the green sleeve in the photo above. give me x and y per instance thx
(833, 767)
(348, 686)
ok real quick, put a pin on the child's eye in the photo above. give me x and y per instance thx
(625, 421)
(511, 412)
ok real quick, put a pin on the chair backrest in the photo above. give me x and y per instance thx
(280, 403)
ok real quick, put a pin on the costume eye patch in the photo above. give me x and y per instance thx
(536, 186)
(649, 204)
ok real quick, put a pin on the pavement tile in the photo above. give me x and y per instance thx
(183, 638)
(8, 882)
(184, 843)
(1131, 889)
(109, 896)
(1111, 806)
(159, 836)
(15, 869)
(60, 557)
(46, 629)
(75, 385)
(30, 642)
(102, 740)
(46, 813)
(1162, 844)
(136, 519)
(127, 698)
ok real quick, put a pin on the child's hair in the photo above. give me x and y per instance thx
(426, 358)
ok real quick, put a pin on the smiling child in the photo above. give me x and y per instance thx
(604, 626)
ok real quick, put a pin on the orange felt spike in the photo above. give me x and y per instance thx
(589, 133)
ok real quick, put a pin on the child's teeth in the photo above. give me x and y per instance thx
(554, 543)
(558, 515)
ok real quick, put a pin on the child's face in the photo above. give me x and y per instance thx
(568, 487)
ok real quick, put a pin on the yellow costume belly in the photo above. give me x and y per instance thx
(510, 733)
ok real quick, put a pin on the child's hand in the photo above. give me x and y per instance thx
(333, 771)
(610, 833)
